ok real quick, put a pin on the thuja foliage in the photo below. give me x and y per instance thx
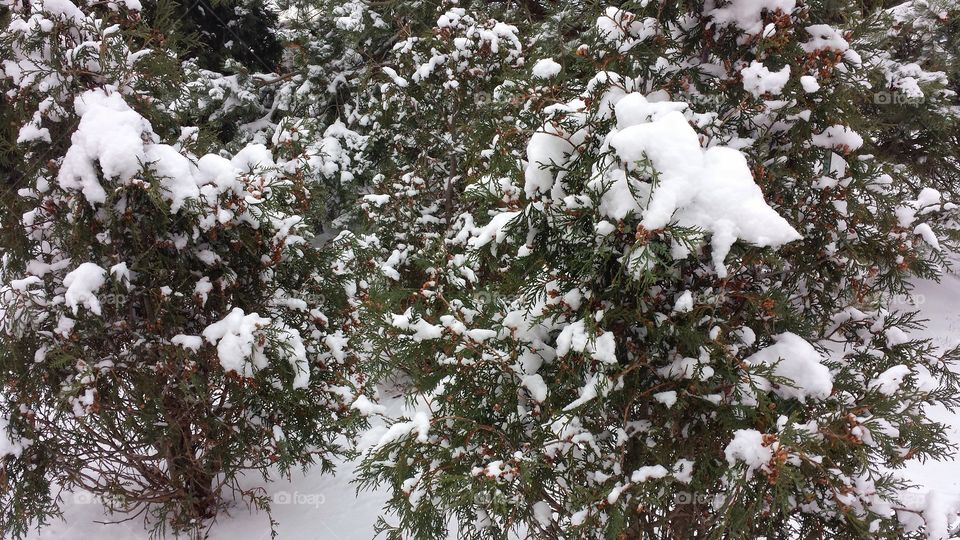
(664, 308)
(168, 322)
(917, 94)
(218, 31)
(634, 267)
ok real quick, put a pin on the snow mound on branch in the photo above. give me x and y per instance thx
(110, 133)
(932, 513)
(63, 8)
(421, 328)
(191, 343)
(495, 230)
(366, 407)
(824, 37)
(749, 447)
(8, 446)
(115, 137)
(82, 285)
(758, 80)
(674, 179)
(546, 68)
(797, 361)
(710, 189)
(747, 15)
(596, 386)
(293, 343)
(622, 29)
(649, 472)
(574, 337)
(888, 382)
(536, 386)
(809, 84)
(419, 424)
(238, 342)
(839, 137)
(548, 146)
(684, 302)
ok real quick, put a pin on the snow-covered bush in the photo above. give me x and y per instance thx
(436, 101)
(636, 268)
(918, 52)
(167, 322)
(667, 311)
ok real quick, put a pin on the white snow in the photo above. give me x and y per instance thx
(191, 343)
(493, 231)
(63, 8)
(337, 344)
(758, 80)
(8, 446)
(926, 232)
(82, 285)
(121, 273)
(591, 390)
(823, 36)
(747, 446)
(30, 132)
(668, 398)
(109, 134)
(684, 302)
(419, 424)
(838, 137)
(305, 507)
(546, 68)
(928, 200)
(202, 289)
(800, 363)
(296, 354)
(535, 385)
(574, 337)
(422, 329)
(809, 84)
(325, 505)
(683, 470)
(747, 15)
(543, 513)
(119, 142)
(546, 147)
(710, 189)
(621, 28)
(649, 472)
(236, 337)
(889, 381)
(366, 407)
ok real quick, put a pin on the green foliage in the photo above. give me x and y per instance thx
(167, 324)
(441, 196)
(479, 330)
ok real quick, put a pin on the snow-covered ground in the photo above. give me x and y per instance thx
(310, 507)
(940, 304)
(327, 507)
